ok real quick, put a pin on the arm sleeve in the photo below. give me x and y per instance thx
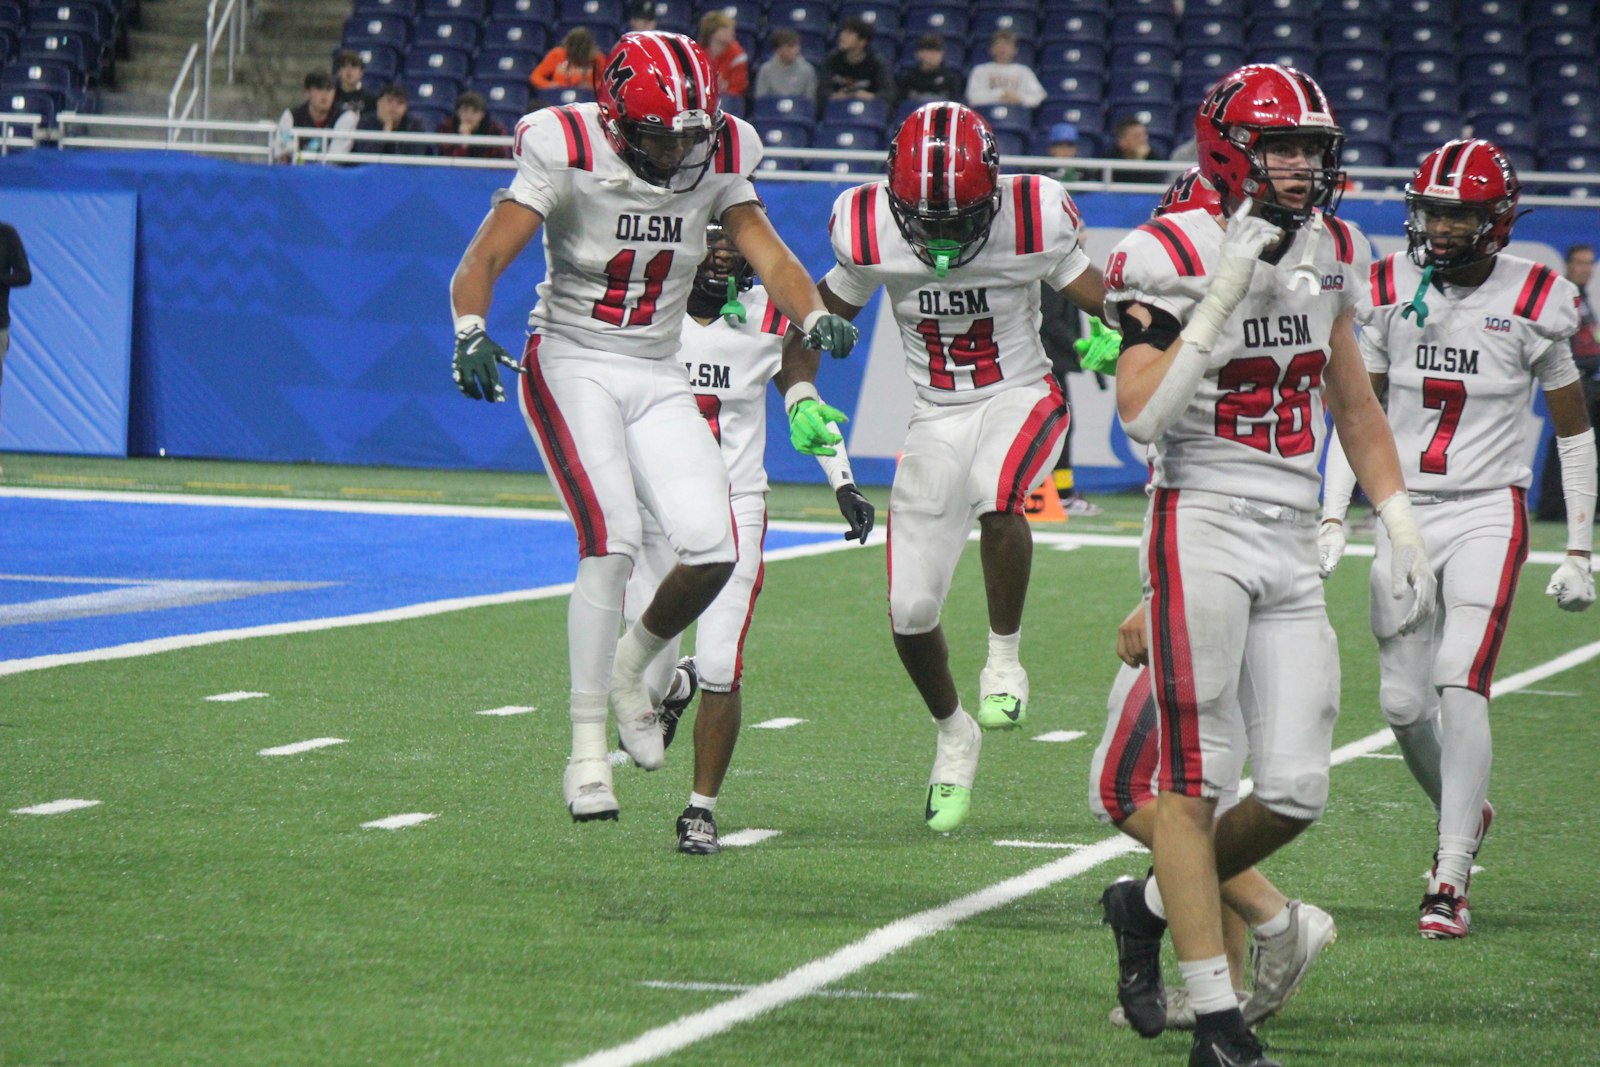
(837, 466)
(1338, 482)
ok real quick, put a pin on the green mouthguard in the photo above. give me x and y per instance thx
(732, 311)
(943, 253)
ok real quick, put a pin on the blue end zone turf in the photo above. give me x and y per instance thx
(87, 574)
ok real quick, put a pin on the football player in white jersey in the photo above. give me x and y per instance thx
(1234, 334)
(622, 190)
(961, 251)
(1460, 360)
(732, 347)
(1123, 779)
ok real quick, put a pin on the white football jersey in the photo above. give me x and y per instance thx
(975, 332)
(729, 368)
(620, 253)
(1255, 427)
(1460, 387)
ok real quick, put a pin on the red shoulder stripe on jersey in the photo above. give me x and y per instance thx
(774, 321)
(1030, 232)
(579, 157)
(1541, 279)
(1383, 281)
(864, 226)
(1179, 249)
(1482, 672)
(1344, 247)
(728, 150)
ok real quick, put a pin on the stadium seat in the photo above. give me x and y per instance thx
(782, 109)
(1482, 71)
(52, 77)
(1232, 9)
(30, 102)
(1195, 33)
(1300, 58)
(883, 18)
(495, 66)
(1270, 34)
(558, 97)
(1567, 73)
(1423, 128)
(1561, 44)
(432, 92)
(1354, 94)
(872, 114)
(803, 15)
(1492, 39)
(1022, 23)
(1142, 60)
(1426, 99)
(1089, 118)
(70, 48)
(1568, 162)
(1063, 57)
(1084, 27)
(675, 16)
(542, 11)
(1480, 12)
(1412, 69)
(1507, 131)
(1080, 88)
(1143, 91)
(1558, 137)
(854, 138)
(1423, 12)
(1212, 63)
(591, 13)
(1159, 121)
(1007, 117)
(1422, 37)
(1361, 34)
(1143, 30)
(405, 9)
(1548, 13)
(1365, 154)
(456, 9)
(1353, 64)
(786, 134)
(71, 16)
(378, 59)
(11, 20)
(526, 37)
(1011, 142)
(1144, 8)
(388, 31)
(1570, 105)
(504, 96)
(1364, 125)
(422, 63)
(944, 21)
(460, 34)
(1502, 100)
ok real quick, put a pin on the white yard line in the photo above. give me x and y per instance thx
(400, 822)
(229, 698)
(55, 807)
(806, 979)
(746, 838)
(783, 722)
(734, 987)
(1061, 735)
(509, 709)
(302, 746)
(1056, 845)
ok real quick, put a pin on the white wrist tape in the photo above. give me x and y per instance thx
(1579, 487)
(1397, 519)
(1166, 405)
(1338, 482)
(811, 322)
(468, 323)
(800, 391)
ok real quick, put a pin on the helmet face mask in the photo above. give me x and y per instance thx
(724, 263)
(660, 109)
(1461, 205)
(1265, 133)
(944, 183)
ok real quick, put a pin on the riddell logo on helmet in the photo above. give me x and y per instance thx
(1442, 192)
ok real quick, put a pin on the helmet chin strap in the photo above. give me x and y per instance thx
(733, 312)
(943, 253)
(1418, 306)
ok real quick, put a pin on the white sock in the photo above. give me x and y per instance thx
(1152, 898)
(698, 801)
(635, 651)
(1454, 867)
(1003, 649)
(588, 712)
(1210, 988)
(1467, 755)
(951, 723)
(1275, 925)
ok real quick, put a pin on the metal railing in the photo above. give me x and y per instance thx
(11, 124)
(265, 142)
(225, 26)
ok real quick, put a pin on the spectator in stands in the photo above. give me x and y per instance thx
(1586, 354)
(391, 116)
(787, 73)
(727, 55)
(14, 274)
(1003, 80)
(1130, 139)
(853, 71)
(930, 79)
(569, 64)
(351, 94)
(641, 16)
(472, 118)
(318, 112)
(1062, 144)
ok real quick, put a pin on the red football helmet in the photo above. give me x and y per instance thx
(1246, 114)
(944, 183)
(1468, 190)
(1188, 192)
(659, 107)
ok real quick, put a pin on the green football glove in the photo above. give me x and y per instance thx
(809, 431)
(1098, 353)
(833, 334)
(476, 366)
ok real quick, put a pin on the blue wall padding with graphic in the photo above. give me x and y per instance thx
(302, 313)
(66, 376)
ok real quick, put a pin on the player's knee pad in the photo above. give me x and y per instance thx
(705, 538)
(912, 614)
(1299, 797)
(1406, 701)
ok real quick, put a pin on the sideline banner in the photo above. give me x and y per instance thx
(302, 313)
(65, 386)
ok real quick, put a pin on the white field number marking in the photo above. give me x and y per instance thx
(1061, 735)
(510, 709)
(302, 746)
(400, 822)
(55, 807)
(745, 838)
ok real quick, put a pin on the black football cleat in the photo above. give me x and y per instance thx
(1238, 1049)
(1139, 987)
(672, 710)
(697, 833)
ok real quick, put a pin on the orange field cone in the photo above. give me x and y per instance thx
(1044, 504)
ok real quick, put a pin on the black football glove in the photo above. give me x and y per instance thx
(477, 363)
(833, 334)
(857, 511)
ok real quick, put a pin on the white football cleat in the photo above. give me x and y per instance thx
(1280, 962)
(638, 723)
(586, 785)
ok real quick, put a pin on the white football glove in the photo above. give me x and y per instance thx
(1330, 546)
(1247, 237)
(1408, 561)
(1572, 585)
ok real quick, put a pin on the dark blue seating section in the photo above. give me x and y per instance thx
(56, 55)
(1404, 75)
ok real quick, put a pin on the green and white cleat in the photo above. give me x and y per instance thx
(947, 807)
(955, 764)
(1003, 703)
